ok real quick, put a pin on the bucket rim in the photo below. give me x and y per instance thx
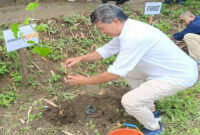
(124, 129)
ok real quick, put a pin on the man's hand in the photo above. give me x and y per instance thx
(72, 61)
(77, 80)
(100, 78)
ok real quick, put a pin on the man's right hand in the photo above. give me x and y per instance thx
(72, 61)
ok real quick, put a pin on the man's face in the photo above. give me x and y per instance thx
(111, 30)
(186, 20)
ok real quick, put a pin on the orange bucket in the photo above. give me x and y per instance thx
(125, 131)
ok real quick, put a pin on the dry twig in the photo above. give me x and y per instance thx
(36, 66)
(67, 133)
(49, 102)
(29, 111)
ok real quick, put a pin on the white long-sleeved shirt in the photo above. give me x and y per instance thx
(152, 52)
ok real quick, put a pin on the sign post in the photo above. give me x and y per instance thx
(152, 8)
(23, 64)
(27, 34)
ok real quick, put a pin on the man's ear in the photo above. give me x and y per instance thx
(192, 17)
(116, 20)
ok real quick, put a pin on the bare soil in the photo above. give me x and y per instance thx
(108, 111)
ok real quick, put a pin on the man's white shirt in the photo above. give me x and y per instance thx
(146, 48)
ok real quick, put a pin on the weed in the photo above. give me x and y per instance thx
(7, 98)
(24, 130)
(3, 68)
(54, 77)
(90, 125)
(39, 115)
(31, 117)
(163, 26)
(16, 78)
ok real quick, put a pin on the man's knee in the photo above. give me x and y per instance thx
(129, 101)
(188, 36)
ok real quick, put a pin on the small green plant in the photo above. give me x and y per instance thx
(54, 77)
(31, 117)
(21, 107)
(163, 26)
(7, 98)
(90, 125)
(39, 115)
(41, 27)
(109, 60)
(3, 68)
(16, 78)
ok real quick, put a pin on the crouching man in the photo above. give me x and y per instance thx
(151, 63)
(191, 34)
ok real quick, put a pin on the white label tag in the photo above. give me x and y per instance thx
(28, 34)
(152, 8)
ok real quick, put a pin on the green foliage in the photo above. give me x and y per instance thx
(30, 42)
(166, 11)
(181, 109)
(1, 36)
(26, 21)
(42, 51)
(90, 125)
(41, 27)
(85, 42)
(109, 60)
(69, 19)
(31, 6)
(163, 26)
(31, 117)
(54, 77)
(16, 78)
(3, 68)
(7, 98)
(15, 29)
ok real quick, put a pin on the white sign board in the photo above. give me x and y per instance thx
(28, 34)
(152, 8)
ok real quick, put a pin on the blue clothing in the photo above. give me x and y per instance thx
(193, 27)
(179, 1)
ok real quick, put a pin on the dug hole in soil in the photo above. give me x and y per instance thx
(108, 111)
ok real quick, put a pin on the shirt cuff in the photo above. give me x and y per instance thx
(116, 72)
(102, 52)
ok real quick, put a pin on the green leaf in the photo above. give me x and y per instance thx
(31, 6)
(15, 29)
(30, 42)
(27, 21)
(1, 35)
(42, 51)
(41, 27)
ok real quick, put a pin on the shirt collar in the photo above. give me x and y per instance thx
(124, 28)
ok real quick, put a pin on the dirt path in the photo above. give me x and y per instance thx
(15, 12)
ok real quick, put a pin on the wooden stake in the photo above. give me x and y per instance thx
(23, 64)
(150, 19)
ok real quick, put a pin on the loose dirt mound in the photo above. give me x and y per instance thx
(108, 110)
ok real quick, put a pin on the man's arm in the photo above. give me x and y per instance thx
(91, 57)
(88, 57)
(100, 78)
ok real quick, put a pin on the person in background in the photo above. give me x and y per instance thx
(180, 2)
(191, 34)
(150, 62)
(118, 2)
